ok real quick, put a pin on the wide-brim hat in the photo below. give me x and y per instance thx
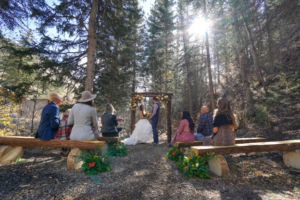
(87, 96)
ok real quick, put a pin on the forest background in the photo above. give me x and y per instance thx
(199, 50)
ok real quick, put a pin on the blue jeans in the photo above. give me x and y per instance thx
(154, 123)
(199, 136)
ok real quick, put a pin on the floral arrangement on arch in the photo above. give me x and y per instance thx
(163, 98)
(94, 163)
(135, 100)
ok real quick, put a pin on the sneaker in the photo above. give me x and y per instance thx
(169, 145)
(154, 144)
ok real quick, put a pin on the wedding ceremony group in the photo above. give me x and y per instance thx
(80, 123)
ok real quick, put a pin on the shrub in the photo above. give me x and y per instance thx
(94, 163)
(190, 165)
(117, 149)
(175, 153)
(194, 166)
(261, 114)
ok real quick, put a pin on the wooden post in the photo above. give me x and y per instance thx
(169, 126)
(132, 120)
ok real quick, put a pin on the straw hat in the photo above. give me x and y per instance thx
(87, 96)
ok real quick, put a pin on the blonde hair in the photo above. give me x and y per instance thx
(109, 108)
(67, 112)
(225, 109)
(53, 96)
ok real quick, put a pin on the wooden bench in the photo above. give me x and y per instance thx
(13, 148)
(237, 141)
(219, 166)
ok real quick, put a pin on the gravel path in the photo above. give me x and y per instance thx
(146, 174)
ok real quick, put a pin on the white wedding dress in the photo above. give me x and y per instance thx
(141, 134)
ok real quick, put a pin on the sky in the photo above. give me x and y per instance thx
(146, 5)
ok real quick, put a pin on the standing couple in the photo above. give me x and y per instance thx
(143, 129)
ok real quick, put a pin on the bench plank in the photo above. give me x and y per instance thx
(237, 141)
(34, 142)
(288, 145)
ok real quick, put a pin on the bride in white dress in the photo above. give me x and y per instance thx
(142, 132)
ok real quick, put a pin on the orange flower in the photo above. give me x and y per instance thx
(173, 153)
(186, 168)
(92, 164)
(115, 144)
(190, 158)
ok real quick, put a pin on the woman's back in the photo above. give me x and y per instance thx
(82, 117)
(109, 123)
(84, 114)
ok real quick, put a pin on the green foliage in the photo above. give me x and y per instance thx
(64, 107)
(194, 166)
(190, 165)
(94, 163)
(261, 114)
(117, 149)
(20, 160)
(175, 153)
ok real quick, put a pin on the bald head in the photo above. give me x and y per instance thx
(204, 109)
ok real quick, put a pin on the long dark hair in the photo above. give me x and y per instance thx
(141, 109)
(186, 115)
(90, 103)
(225, 109)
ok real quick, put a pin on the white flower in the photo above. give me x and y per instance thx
(197, 164)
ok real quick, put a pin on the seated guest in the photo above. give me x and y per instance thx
(50, 118)
(185, 132)
(109, 122)
(64, 132)
(205, 125)
(224, 125)
(83, 117)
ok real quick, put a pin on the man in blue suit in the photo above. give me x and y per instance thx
(154, 120)
(50, 118)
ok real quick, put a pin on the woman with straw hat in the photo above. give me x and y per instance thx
(83, 117)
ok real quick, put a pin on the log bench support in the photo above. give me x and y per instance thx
(10, 153)
(13, 148)
(292, 159)
(218, 165)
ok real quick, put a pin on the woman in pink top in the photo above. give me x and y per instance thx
(185, 132)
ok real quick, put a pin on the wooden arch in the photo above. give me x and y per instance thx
(168, 111)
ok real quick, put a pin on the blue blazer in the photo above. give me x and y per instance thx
(49, 124)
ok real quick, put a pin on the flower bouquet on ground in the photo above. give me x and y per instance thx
(175, 153)
(117, 149)
(94, 163)
(194, 166)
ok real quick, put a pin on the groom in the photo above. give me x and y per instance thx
(154, 120)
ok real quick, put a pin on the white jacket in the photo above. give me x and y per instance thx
(81, 117)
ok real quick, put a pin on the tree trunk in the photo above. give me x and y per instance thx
(255, 60)
(91, 60)
(153, 76)
(187, 60)
(240, 53)
(211, 89)
(166, 64)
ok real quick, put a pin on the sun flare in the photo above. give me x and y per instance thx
(199, 26)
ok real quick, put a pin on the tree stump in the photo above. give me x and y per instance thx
(218, 165)
(292, 158)
(74, 163)
(10, 153)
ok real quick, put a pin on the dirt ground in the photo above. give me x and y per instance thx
(146, 174)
